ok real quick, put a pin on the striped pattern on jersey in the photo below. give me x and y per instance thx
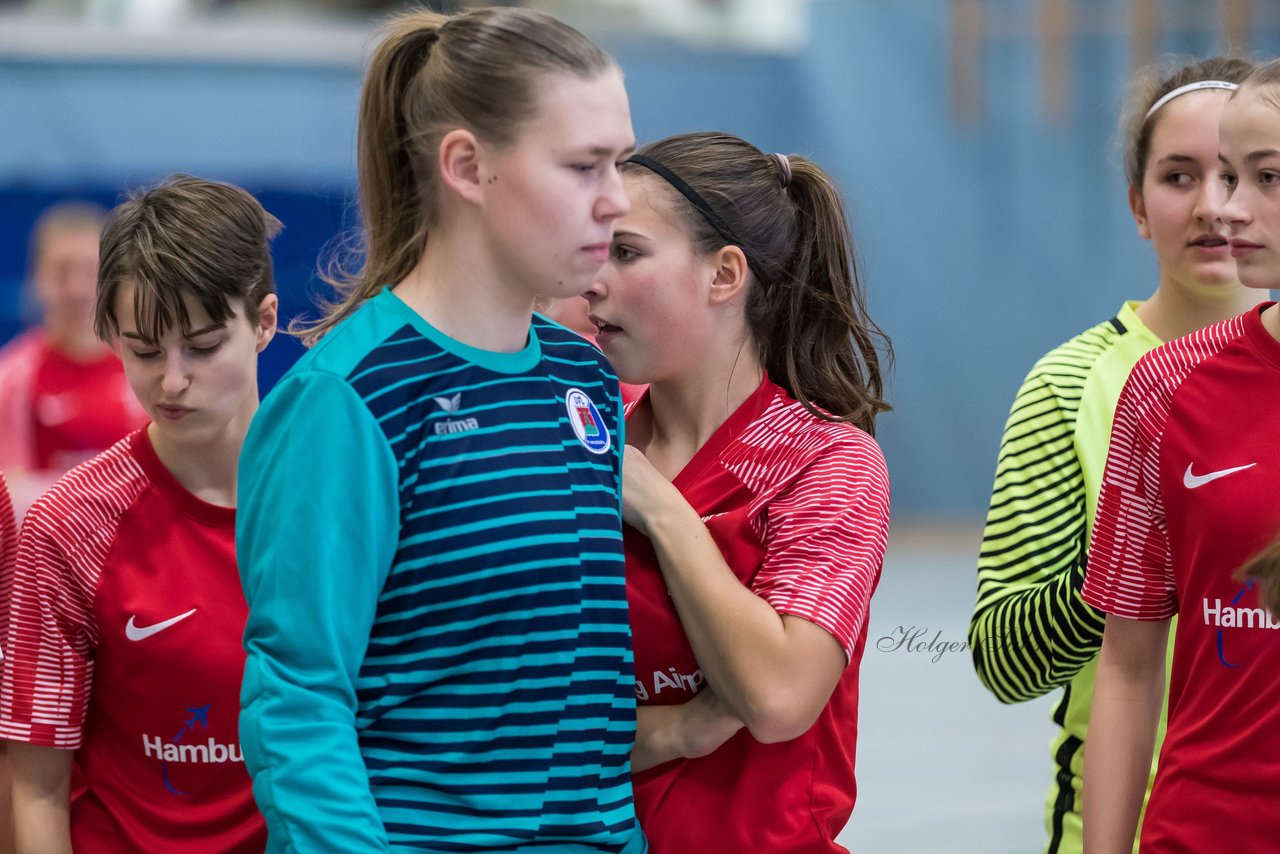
(821, 506)
(8, 532)
(494, 706)
(1031, 632)
(8, 554)
(1131, 573)
(47, 673)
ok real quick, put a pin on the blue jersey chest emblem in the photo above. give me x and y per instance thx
(587, 424)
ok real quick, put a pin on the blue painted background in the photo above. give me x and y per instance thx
(984, 244)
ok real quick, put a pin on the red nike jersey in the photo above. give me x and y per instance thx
(8, 549)
(56, 412)
(1188, 496)
(123, 644)
(800, 510)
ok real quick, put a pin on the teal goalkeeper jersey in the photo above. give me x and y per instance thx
(430, 541)
(1031, 632)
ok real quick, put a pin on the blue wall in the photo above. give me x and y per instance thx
(984, 245)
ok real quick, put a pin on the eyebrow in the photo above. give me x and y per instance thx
(602, 151)
(622, 233)
(1177, 158)
(1255, 156)
(194, 333)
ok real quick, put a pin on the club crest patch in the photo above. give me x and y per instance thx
(587, 424)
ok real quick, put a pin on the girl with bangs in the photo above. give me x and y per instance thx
(122, 660)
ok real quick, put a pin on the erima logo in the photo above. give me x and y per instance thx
(587, 424)
(450, 406)
(1228, 617)
(1194, 481)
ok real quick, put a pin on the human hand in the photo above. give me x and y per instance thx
(705, 725)
(645, 492)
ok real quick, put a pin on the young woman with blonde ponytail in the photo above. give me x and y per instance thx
(429, 534)
(757, 499)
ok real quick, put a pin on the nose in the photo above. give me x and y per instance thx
(1211, 200)
(596, 289)
(176, 377)
(1235, 211)
(613, 201)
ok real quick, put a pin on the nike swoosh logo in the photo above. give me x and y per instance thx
(1194, 481)
(53, 410)
(134, 632)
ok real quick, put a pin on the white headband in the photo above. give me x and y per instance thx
(1190, 87)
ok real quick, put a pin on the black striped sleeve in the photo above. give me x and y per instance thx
(1030, 631)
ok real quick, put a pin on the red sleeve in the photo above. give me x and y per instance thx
(1130, 572)
(8, 553)
(8, 534)
(825, 538)
(47, 668)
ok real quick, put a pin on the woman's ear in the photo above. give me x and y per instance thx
(459, 163)
(1139, 209)
(731, 274)
(268, 320)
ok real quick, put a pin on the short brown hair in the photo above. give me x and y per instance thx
(184, 235)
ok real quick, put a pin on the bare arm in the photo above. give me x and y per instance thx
(1126, 709)
(41, 798)
(6, 795)
(773, 672)
(684, 731)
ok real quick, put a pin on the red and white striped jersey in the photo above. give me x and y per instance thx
(56, 412)
(8, 551)
(799, 507)
(1188, 495)
(123, 643)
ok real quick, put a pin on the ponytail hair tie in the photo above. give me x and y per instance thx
(784, 167)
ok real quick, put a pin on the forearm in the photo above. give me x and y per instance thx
(41, 799)
(685, 731)
(656, 740)
(749, 653)
(1033, 639)
(6, 795)
(1118, 751)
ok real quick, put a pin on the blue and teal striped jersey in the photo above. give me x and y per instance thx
(429, 537)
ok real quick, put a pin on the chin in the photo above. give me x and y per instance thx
(1260, 279)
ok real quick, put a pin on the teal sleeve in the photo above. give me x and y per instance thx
(316, 531)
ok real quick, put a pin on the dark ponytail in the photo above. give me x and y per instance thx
(806, 310)
(430, 74)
